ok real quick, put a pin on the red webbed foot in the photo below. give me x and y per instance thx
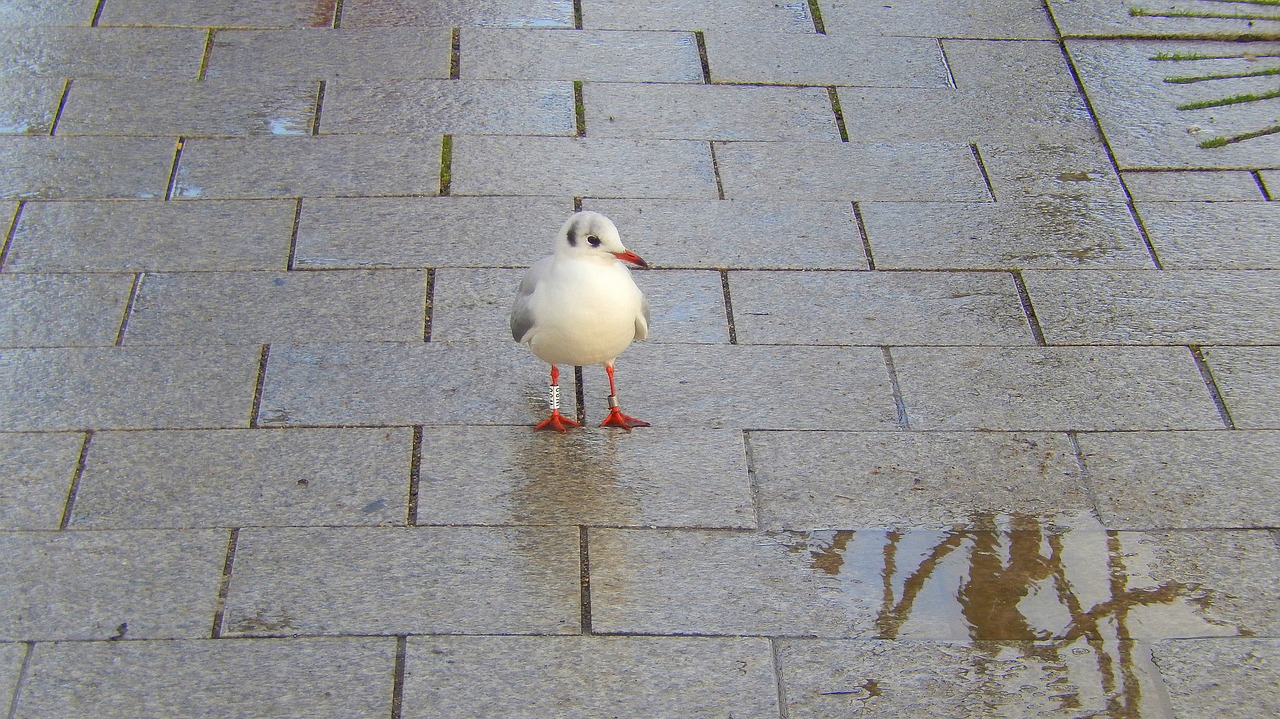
(617, 419)
(557, 422)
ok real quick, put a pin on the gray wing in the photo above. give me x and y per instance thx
(522, 319)
(642, 322)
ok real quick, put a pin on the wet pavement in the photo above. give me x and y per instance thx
(962, 375)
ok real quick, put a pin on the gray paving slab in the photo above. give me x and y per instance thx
(404, 384)
(244, 478)
(580, 677)
(49, 51)
(1249, 378)
(259, 307)
(127, 388)
(1143, 18)
(607, 55)
(269, 678)
(12, 658)
(799, 59)
(326, 54)
(1184, 480)
(751, 387)
(218, 13)
(836, 679)
(1054, 388)
(188, 108)
(450, 13)
(1041, 233)
(1192, 186)
(475, 304)
(102, 585)
(1271, 182)
(76, 168)
(1067, 169)
(43, 12)
(152, 236)
(878, 308)
(560, 166)
(739, 233)
(708, 112)
(427, 231)
(38, 472)
(1213, 235)
(1160, 81)
(731, 16)
(849, 171)
(1229, 677)
(62, 310)
(1157, 307)
(462, 107)
(1022, 19)
(265, 167)
(511, 475)
(409, 580)
(998, 64)
(821, 480)
(29, 105)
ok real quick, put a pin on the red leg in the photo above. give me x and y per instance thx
(616, 418)
(556, 421)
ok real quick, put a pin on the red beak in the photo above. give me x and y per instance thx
(633, 258)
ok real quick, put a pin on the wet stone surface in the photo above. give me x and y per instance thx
(1213, 235)
(62, 310)
(28, 106)
(1193, 186)
(1212, 676)
(39, 471)
(448, 13)
(1249, 378)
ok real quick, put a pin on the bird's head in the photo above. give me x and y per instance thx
(591, 234)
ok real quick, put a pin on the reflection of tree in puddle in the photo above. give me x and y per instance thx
(1059, 592)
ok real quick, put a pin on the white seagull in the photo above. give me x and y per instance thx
(579, 306)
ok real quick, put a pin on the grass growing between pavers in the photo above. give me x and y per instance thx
(1187, 79)
(446, 164)
(1231, 100)
(1221, 141)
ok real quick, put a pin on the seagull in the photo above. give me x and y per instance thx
(579, 306)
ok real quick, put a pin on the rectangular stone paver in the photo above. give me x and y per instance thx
(219, 13)
(818, 480)
(582, 677)
(582, 167)
(864, 308)
(37, 12)
(463, 107)
(188, 108)
(708, 112)
(152, 236)
(474, 304)
(752, 387)
(730, 15)
(1044, 233)
(1066, 169)
(738, 233)
(265, 167)
(1214, 235)
(1090, 18)
(798, 59)
(850, 171)
(1271, 181)
(955, 680)
(1193, 186)
(62, 310)
(100, 585)
(415, 580)
(28, 106)
(1022, 19)
(12, 660)
(402, 384)
(1157, 307)
(1054, 388)
(1184, 480)
(665, 477)
(239, 478)
(127, 388)
(285, 678)
(998, 64)
(56, 168)
(38, 473)
(259, 307)
(448, 13)
(1221, 677)
(428, 231)
(48, 51)
(1249, 378)
(323, 54)
(612, 56)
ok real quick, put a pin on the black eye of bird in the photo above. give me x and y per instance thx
(593, 240)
